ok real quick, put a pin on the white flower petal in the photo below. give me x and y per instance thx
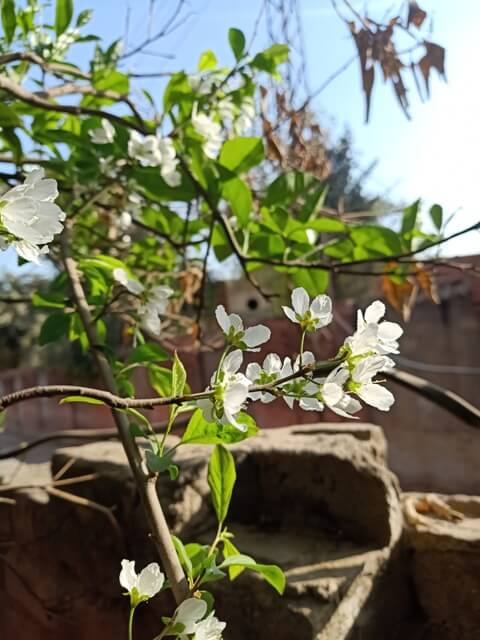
(272, 363)
(233, 361)
(28, 251)
(374, 312)
(321, 307)
(290, 314)
(376, 396)
(151, 320)
(255, 336)
(222, 318)
(150, 580)
(389, 331)
(253, 371)
(311, 404)
(128, 576)
(190, 612)
(210, 628)
(300, 301)
(332, 393)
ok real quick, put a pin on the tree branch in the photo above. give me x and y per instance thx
(34, 100)
(145, 483)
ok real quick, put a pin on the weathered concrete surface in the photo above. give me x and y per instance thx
(320, 502)
(445, 562)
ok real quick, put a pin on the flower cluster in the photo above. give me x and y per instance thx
(153, 151)
(189, 619)
(210, 131)
(352, 376)
(29, 218)
(154, 301)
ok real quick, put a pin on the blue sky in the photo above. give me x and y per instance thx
(434, 156)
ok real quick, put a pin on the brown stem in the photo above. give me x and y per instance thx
(145, 483)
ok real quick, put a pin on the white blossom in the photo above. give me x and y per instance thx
(30, 216)
(310, 316)
(124, 221)
(188, 614)
(153, 151)
(295, 388)
(373, 336)
(169, 162)
(245, 119)
(268, 372)
(154, 301)
(210, 130)
(330, 392)
(155, 306)
(104, 134)
(143, 586)
(210, 628)
(364, 387)
(132, 285)
(232, 326)
(144, 149)
(230, 392)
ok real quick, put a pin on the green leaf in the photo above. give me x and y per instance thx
(241, 154)
(63, 15)
(229, 549)
(156, 463)
(84, 17)
(160, 379)
(56, 326)
(208, 60)
(199, 431)
(239, 197)
(109, 80)
(269, 59)
(221, 480)
(237, 42)
(272, 574)
(3, 417)
(376, 240)
(436, 214)
(179, 376)
(147, 353)
(409, 219)
(48, 300)
(183, 556)
(314, 281)
(8, 117)
(9, 20)
(80, 399)
(326, 225)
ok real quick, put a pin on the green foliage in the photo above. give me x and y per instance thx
(237, 41)
(239, 197)
(221, 480)
(63, 15)
(208, 60)
(272, 574)
(436, 214)
(199, 431)
(56, 326)
(241, 154)
(9, 20)
(179, 376)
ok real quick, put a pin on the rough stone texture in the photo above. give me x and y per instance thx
(445, 564)
(318, 501)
